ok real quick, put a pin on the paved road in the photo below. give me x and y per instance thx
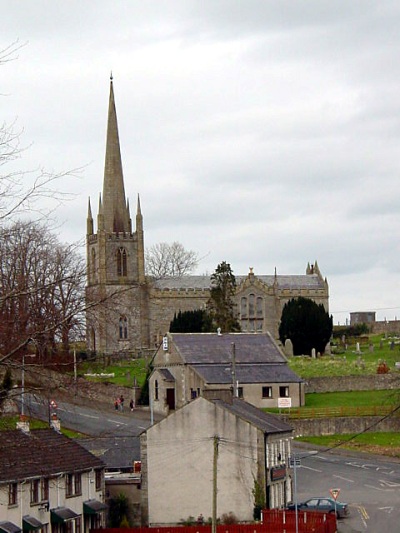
(93, 420)
(369, 484)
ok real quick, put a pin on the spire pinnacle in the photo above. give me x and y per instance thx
(116, 217)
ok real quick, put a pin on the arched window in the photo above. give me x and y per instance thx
(93, 264)
(121, 262)
(243, 307)
(123, 327)
(252, 313)
(251, 305)
(156, 390)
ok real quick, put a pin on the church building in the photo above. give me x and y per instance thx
(130, 312)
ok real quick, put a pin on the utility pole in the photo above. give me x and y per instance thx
(215, 485)
(234, 382)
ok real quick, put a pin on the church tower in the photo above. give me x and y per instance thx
(116, 293)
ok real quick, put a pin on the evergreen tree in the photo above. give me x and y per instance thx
(197, 321)
(221, 305)
(306, 324)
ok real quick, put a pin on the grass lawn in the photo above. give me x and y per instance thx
(10, 422)
(125, 372)
(346, 362)
(354, 399)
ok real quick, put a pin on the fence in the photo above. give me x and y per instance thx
(274, 521)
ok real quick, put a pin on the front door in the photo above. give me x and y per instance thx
(171, 399)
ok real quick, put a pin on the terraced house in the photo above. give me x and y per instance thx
(49, 483)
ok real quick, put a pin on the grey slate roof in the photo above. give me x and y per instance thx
(166, 374)
(116, 452)
(306, 281)
(248, 373)
(210, 348)
(41, 452)
(266, 422)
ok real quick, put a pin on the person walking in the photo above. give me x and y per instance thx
(121, 402)
(132, 405)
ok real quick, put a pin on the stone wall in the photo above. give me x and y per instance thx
(343, 425)
(353, 383)
(383, 327)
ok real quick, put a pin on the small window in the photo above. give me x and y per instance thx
(78, 484)
(123, 327)
(69, 485)
(99, 479)
(35, 485)
(284, 392)
(12, 494)
(267, 392)
(156, 390)
(44, 489)
(193, 394)
(240, 392)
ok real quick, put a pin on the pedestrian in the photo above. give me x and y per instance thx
(121, 402)
(116, 404)
(132, 405)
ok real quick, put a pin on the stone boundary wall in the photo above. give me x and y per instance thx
(343, 425)
(389, 381)
(382, 327)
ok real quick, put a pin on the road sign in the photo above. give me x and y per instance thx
(334, 493)
(294, 461)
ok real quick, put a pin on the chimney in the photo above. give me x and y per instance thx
(225, 395)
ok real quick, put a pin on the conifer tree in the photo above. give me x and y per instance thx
(221, 304)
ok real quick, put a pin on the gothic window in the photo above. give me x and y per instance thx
(121, 262)
(123, 327)
(252, 313)
(156, 390)
(93, 264)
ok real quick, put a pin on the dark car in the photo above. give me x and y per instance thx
(325, 505)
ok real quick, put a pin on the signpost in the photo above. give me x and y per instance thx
(294, 462)
(334, 494)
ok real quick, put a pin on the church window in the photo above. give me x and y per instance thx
(259, 306)
(93, 264)
(121, 262)
(251, 305)
(123, 327)
(243, 307)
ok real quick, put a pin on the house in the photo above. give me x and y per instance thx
(187, 364)
(48, 483)
(219, 449)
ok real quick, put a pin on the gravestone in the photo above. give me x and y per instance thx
(313, 353)
(288, 348)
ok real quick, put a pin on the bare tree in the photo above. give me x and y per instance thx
(41, 289)
(165, 260)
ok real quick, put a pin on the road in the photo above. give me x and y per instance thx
(369, 484)
(98, 421)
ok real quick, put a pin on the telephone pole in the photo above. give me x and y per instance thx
(215, 486)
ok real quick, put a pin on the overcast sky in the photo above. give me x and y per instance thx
(261, 133)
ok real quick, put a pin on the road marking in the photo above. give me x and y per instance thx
(117, 422)
(391, 484)
(386, 509)
(377, 488)
(88, 416)
(309, 468)
(344, 478)
(142, 427)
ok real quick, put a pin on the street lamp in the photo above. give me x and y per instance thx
(23, 383)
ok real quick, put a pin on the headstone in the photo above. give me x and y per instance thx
(392, 345)
(313, 353)
(358, 347)
(328, 349)
(371, 347)
(288, 348)
(381, 344)
(343, 339)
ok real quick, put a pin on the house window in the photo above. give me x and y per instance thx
(78, 483)
(35, 485)
(99, 479)
(156, 390)
(267, 392)
(123, 327)
(44, 489)
(78, 524)
(284, 392)
(121, 262)
(73, 485)
(12, 493)
(193, 394)
(240, 392)
(69, 485)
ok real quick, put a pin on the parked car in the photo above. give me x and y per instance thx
(325, 505)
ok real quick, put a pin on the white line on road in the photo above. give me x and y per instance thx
(117, 422)
(89, 416)
(309, 468)
(142, 427)
(344, 478)
(378, 488)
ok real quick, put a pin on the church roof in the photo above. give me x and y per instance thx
(306, 281)
(247, 373)
(211, 348)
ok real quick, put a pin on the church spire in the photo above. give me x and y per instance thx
(116, 217)
(89, 221)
